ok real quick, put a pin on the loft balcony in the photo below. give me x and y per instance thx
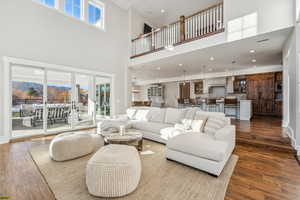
(204, 23)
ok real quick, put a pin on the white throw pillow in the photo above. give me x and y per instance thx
(130, 113)
(213, 124)
(141, 115)
(198, 123)
(187, 123)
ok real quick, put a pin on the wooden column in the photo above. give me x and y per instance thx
(182, 28)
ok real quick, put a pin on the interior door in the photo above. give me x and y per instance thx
(260, 89)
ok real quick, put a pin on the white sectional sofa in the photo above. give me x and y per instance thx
(203, 140)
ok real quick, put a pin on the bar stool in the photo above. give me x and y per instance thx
(231, 103)
(212, 105)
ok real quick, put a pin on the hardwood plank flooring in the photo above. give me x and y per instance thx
(261, 173)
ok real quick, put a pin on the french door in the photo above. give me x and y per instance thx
(51, 101)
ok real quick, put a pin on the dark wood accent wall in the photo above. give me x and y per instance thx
(261, 90)
(184, 91)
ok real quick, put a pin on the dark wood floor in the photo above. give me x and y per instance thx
(262, 173)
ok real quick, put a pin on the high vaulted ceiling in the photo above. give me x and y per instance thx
(151, 9)
(268, 53)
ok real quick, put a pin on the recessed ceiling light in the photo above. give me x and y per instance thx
(180, 65)
(162, 11)
(254, 60)
(158, 68)
(252, 51)
(212, 58)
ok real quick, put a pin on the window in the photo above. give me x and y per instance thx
(73, 8)
(242, 27)
(96, 13)
(88, 11)
(50, 3)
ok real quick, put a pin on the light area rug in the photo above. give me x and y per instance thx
(161, 179)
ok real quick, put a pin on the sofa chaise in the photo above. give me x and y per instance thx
(203, 140)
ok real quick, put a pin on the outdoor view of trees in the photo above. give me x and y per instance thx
(25, 92)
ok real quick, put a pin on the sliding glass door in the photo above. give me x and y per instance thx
(103, 96)
(84, 115)
(27, 101)
(59, 101)
(52, 101)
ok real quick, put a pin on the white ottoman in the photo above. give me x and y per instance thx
(113, 171)
(69, 146)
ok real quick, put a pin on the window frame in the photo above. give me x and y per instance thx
(59, 6)
(101, 6)
(43, 2)
(81, 17)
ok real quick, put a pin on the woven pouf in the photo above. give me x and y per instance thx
(113, 171)
(68, 146)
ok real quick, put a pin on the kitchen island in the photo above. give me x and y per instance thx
(243, 111)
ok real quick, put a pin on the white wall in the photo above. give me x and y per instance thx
(291, 53)
(137, 23)
(32, 31)
(272, 14)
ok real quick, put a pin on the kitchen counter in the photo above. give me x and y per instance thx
(244, 108)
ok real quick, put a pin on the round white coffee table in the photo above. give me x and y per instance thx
(133, 138)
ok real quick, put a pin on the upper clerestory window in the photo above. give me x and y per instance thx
(73, 8)
(88, 11)
(96, 13)
(50, 3)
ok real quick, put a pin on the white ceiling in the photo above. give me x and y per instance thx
(267, 53)
(151, 9)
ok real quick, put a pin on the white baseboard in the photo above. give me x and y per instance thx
(4, 140)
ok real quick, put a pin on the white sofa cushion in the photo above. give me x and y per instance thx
(174, 115)
(199, 145)
(153, 127)
(198, 123)
(130, 113)
(213, 124)
(214, 114)
(170, 132)
(157, 115)
(141, 115)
